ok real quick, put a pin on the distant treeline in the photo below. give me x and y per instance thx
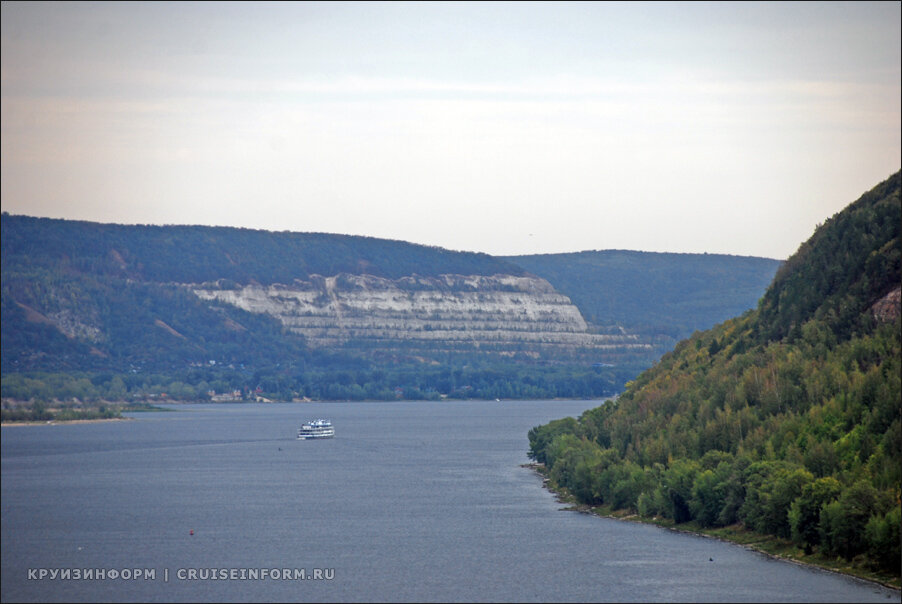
(345, 382)
(664, 295)
(195, 254)
(40, 412)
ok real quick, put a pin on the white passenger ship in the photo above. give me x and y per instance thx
(319, 428)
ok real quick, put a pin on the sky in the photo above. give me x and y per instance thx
(504, 128)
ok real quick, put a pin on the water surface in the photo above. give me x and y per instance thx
(410, 502)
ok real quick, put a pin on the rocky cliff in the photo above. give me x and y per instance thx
(503, 313)
(889, 307)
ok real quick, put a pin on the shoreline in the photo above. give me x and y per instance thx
(582, 508)
(63, 422)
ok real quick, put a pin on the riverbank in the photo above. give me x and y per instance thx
(64, 422)
(15, 412)
(768, 545)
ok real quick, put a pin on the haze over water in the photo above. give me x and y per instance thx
(410, 502)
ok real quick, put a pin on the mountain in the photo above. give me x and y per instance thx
(196, 254)
(655, 294)
(117, 289)
(784, 420)
(190, 310)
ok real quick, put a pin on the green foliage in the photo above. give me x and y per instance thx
(82, 297)
(196, 254)
(39, 411)
(666, 296)
(541, 437)
(849, 262)
(804, 514)
(843, 521)
(319, 376)
(785, 419)
(883, 536)
(771, 488)
(678, 484)
(709, 494)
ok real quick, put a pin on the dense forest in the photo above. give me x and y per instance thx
(666, 296)
(784, 420)
(196, 254)
(95, 312)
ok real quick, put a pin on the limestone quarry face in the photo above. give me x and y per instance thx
(500, 311)
(889, 307)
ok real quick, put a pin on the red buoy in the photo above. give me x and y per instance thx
(191, 532)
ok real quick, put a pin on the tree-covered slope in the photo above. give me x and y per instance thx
(88, 307)
(89, 296)
(785, 420)
(672, 294)
(835, 276)
(194, 254)
(82, 296)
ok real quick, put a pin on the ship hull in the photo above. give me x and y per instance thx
(314, 436)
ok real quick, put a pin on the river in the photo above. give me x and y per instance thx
(411, 501)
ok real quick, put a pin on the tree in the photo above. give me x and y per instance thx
(805, 512)
(843, 521)
(882, 535)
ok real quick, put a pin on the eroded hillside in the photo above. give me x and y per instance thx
(503, 312)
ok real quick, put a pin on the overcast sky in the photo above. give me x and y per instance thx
(508, 128)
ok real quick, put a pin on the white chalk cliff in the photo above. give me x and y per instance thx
(502, 312)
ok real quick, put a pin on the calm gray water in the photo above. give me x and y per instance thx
(410, 502)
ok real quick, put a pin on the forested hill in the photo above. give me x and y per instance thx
(187, 311)
(672, 294)
(785, 420)
(99, 311)
(849, 263)
(195, 254)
